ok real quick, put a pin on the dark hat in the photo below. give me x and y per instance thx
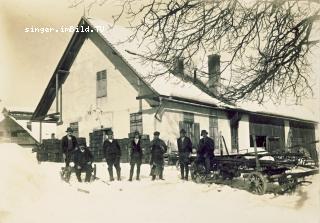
(182, 131)
(204, 132)
(156, 133)
(69, 129)
(109, 132)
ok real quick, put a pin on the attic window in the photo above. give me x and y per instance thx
(102, 84)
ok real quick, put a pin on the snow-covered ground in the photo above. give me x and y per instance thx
(33, 193)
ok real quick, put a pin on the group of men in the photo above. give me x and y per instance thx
(83, 158)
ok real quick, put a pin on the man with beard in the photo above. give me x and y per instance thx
(83, 159)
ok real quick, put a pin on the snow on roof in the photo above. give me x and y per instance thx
(21, 123)
(171, 85)
(166, 84)
(294, 111)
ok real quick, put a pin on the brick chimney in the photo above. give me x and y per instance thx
(179, 66)
(214, 73)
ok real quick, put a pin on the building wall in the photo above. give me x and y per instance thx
(244, 133)
(79, 96)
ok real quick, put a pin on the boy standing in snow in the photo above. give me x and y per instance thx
(68, 145)
(158, 148)
(184, 149)
(135, 155)
(112, 154)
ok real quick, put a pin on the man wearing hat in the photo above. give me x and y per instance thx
(112, 154)
(184, 150)
(135, 155)
(83, 159)
(68, 145)
(206, 150)
(158, 148)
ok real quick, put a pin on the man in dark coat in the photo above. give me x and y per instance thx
(112, 154)
(68, 145)
(185, 150)
(135, 155)
(83, 159)
(158, 148)
(206, 150)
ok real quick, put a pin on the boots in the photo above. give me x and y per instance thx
(161, 175)
(187, 173)
(118, 174)
(138, 172)
(111, 174)
(182, 172)
(131, 173)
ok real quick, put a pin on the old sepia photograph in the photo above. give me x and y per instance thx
(159, 111)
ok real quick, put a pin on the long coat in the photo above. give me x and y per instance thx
(158, 148)
(111, 149)
(206, 147)
(64, 144)
(135, 150)
(184, 149)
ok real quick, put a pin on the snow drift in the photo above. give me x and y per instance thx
(34, 193)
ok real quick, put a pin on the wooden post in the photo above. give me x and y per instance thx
(60, 116)
(57, 92)
(40, 138)
(256, 152)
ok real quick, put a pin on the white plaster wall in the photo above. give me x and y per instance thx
(244, 133)
(79, 96)
(286, 132)
(224, 128)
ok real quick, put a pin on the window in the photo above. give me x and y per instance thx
(213, 130)
(102, 84)
(136, 122)
(192, 129)
(75, 127)
(260, 140)
(29, 125)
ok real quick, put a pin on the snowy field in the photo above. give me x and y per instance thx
(33, 193)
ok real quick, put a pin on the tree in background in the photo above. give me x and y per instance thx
(265, 45)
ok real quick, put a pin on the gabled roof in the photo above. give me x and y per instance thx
(113, 39)
(113, 42)
(19, 123)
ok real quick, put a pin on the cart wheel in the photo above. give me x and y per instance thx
(257, 183)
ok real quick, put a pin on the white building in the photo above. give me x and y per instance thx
(100, 84)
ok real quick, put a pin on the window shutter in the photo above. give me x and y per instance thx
(196, 127)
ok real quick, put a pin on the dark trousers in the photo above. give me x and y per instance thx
(84, 168)
(157, 168)
(135, 160)
(184, 165)
(69, 157)
(207, 163)
(114, 161)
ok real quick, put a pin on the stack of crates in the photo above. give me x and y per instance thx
(124, 145)
(53, 148)
(96, 144)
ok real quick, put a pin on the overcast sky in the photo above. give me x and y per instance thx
(27, 60)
